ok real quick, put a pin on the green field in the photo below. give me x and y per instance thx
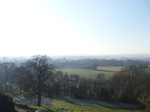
(87, 106)
(109, 68)
(86, 73)
(74, 105)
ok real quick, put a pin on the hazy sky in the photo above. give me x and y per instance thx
(66, 27)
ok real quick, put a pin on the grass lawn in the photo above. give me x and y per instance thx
(77, 105)
(86, 107)
(86, 73)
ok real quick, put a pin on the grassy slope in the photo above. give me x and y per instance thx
(71, 105)
(85, 72)
(87, 108)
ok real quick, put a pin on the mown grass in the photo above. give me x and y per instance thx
(109, 68)
(85, 72)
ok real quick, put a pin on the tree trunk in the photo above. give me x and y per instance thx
(39, 99)
(5, 87)
(64, 91)
(10, 86)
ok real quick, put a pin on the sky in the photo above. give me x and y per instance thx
(74, 27)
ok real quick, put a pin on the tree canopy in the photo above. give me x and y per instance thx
(37, 71)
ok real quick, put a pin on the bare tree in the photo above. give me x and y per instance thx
(22, 79)
(38, 72)
(7, 70)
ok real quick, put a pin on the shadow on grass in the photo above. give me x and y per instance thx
(83, 102)
(110, 105)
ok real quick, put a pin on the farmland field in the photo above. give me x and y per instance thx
(109, 68)
(86, 73)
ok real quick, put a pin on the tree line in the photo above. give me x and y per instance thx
(86, 63)
(37, 76)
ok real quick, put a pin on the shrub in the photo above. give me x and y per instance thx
(6, 103)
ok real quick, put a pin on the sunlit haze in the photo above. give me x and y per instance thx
(74, 27)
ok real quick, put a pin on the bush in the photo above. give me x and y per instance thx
(6, 104)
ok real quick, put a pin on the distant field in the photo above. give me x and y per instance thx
(148, 69)
(85, 72)
(109, 68)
